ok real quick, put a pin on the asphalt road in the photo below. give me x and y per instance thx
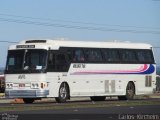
(146, 112)
(144, 109)
(114, 112)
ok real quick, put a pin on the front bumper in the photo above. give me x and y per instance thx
(26, 93)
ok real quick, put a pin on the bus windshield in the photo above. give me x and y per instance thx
(19, 61)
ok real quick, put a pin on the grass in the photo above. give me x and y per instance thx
(53, 106)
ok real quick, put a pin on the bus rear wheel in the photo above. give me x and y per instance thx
(28, 100)
(98, 98)
(63, 93)
(130, 92)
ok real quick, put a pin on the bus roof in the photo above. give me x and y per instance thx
(57, 43)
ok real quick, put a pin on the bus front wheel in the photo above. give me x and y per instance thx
(63, 93)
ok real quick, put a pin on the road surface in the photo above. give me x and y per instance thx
(148, 109)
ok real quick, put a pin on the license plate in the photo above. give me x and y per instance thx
(21, 85)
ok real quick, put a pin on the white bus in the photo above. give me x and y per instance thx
(62, 69)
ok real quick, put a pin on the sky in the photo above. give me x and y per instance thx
(87, 20)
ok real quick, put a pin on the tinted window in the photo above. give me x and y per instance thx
(57, 62)
(101, 55)
(145, 56)
(61, 63)
(69, 53)
(128, 56)
(15, 60)
(93, 55)
(111, 55)
(78, 55)
(51, 61)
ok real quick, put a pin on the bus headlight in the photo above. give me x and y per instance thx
(9, 85)
(35, 85)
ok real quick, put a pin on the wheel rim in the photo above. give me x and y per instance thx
(63, 92)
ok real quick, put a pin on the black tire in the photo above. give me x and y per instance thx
(28, 100)
(130, 92)
(63, 93)
(98, 98)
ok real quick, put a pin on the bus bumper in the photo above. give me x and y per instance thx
(26, 93)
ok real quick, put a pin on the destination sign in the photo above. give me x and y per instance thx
(25, 46)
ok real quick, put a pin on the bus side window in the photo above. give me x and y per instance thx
(51, 62)
(57, 62)
(78, 56)
(145, 56)
(128, 56)
(61, 63)
(111, 55)
(93, 55)
(69, 54)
